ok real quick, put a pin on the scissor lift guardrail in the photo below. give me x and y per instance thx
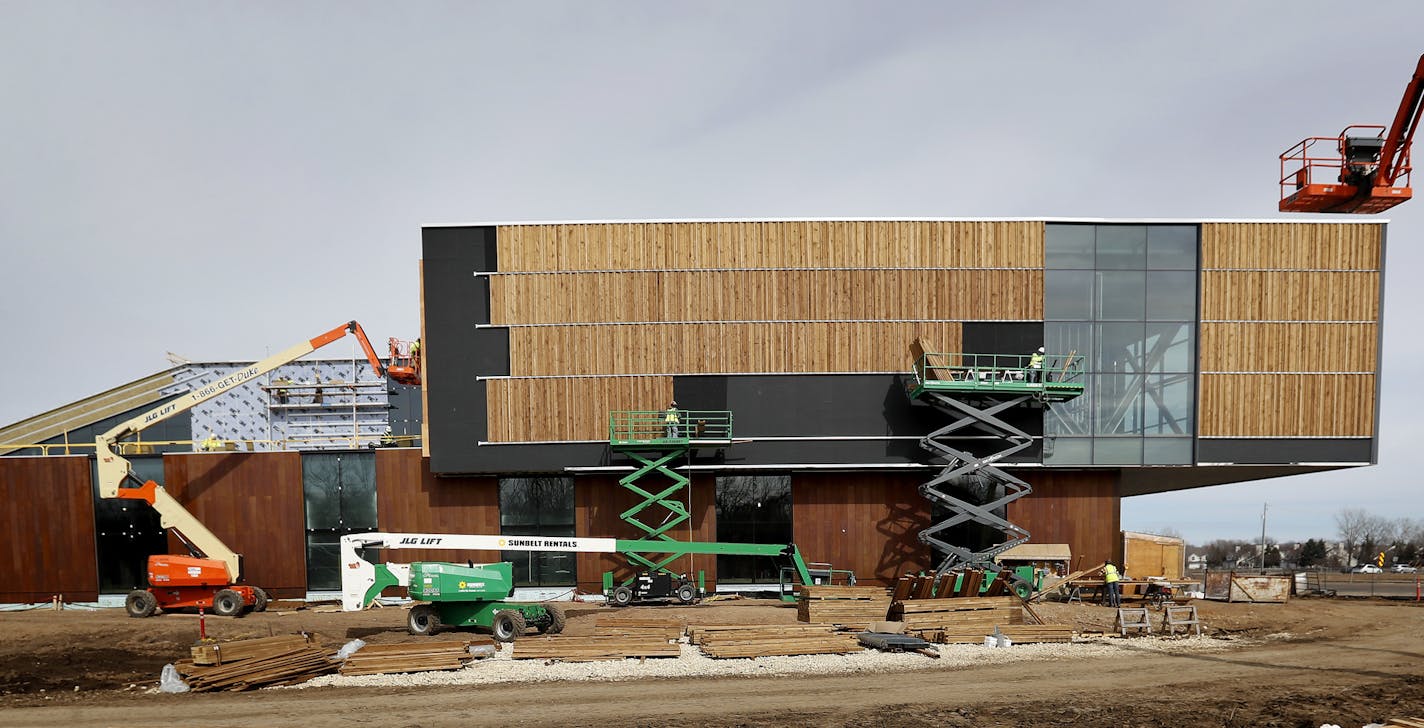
(655, 443)
(976, 389)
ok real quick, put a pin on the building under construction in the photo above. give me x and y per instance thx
(890, 395)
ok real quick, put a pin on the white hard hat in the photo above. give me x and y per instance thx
(1040, 350)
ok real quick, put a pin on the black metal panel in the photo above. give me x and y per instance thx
(406, 411)
(1001, 337)
(455, 301)
(1284, 451)
(491, 358)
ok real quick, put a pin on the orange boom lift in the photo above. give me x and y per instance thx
(211, 575)
(1366, 173)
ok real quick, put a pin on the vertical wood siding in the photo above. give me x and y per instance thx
(1290, 329)
(767, 295)
(254, 503)
(795, 244)
(48, 522)
(523, 410)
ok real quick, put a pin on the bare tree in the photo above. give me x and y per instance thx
(1354, 528)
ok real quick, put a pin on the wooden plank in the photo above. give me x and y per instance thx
(1287, 405)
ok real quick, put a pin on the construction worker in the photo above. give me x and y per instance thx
(279, 389)
(1035, 366)
(1113, 581)
(212, 443)
(415, 349)
(671, 420)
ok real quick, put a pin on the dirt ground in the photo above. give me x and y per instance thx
(1304, 663)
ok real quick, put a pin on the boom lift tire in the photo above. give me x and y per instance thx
(423, 620)
(141, 603)
(687, 594)
(1022, 589)
(259, 600)
(555, 622)
(227, 603)
(622, 596)
(507, 625)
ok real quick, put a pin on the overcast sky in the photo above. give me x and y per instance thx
(222, 179)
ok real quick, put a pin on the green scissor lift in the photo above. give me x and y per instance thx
(975, 389)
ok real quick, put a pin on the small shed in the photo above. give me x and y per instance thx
(1147, 554)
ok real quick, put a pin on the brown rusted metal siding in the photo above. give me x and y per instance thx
(254, 503)
(411, 500)
(1079, 509)
(868, 523)
(599, 499)
(48, 520)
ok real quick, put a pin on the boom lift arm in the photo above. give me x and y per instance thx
(1371, 171)
(116, 477)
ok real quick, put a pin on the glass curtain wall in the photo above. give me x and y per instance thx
(1125, 298)
(752, 509)
(538, 507)
(340, 493)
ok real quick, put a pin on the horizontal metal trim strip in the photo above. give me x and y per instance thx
(1285, 437)
(1283, 321)
(789, 269)
(1099, 220)
(1277, 465)
(1310, 373)
(759, 321)
(1290, 270)
(748, 440)
(691, 374)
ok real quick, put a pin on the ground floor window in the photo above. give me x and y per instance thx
(538, 507)
(339, 489)
(752, 509)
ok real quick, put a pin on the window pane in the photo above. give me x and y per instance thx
(1068, 294)
(752, 509)
(1120, 348)
(1172, 295)
(538, 507)
(358, 490)
(1073, 417)
(321, 487)
(1122, 247)
(1167, 451)
(1172, 247)
(1068, 246)
(1117, 403)
(1121, 295)
(1067, 451)
(1117, 451)
(1168, 404)
(1169, 348)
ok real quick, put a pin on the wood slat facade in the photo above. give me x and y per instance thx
(254, 503)
(1290, 329)
(572, 408)
(48, 521)
(770, 244)
(768, 295)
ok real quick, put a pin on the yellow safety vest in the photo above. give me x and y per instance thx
(1110, 574)
(671, 418)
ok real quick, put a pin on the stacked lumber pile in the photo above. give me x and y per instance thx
(596, 647)
(958, 614)
(411, 657)
(851, 607)
(769, 640)
(1405, 723)
(639, 625)
(257, 663)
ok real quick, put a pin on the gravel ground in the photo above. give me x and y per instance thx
(502, 668)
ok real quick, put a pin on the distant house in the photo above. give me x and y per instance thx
(1196, 561)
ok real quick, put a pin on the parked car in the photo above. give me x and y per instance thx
(1403, 569)
(1367, 569)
